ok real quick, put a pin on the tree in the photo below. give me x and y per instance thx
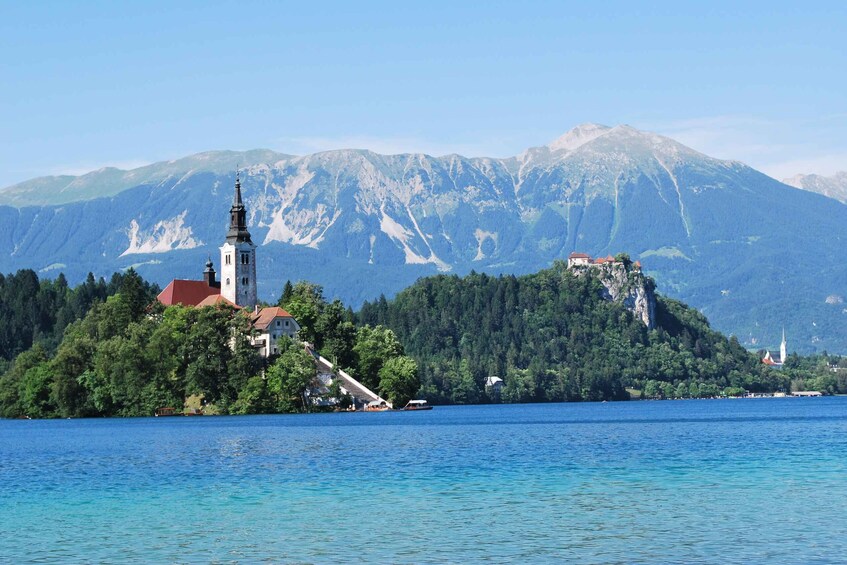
(651, 389)
(398, 380)
(13, 382)
(289, 378)
(243, 363)
(254, 398)
(374, 346)
(35, 391)
(336, 335)
(306, 303)
(207, 349)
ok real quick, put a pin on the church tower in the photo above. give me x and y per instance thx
(783, 348)
(238, 257)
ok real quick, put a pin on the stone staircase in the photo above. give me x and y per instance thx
(361, 394)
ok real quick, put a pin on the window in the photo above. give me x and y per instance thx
(227, 282)
(228, 260)
(245, 258)
(244, 281)
(278, 323)
(286, 323)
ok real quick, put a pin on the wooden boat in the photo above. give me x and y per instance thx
(168, 411)
(377, 406)
(417, 405)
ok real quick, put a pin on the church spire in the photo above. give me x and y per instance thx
(237, 200)
(783, 347)
(238, 216)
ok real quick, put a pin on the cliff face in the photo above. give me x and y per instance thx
(628, 286)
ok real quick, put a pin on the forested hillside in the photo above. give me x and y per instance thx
(109, 349)
(129, 355)
(38, 311)
(552, 337)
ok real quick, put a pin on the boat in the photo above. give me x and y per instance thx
(167, 412)
(377, 406)
(417, 405)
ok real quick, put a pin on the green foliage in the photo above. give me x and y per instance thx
(374, 346)
(254, 398)
(305, 301)
(398, 380)
(552, 337)
(289, 377)
(38, 311)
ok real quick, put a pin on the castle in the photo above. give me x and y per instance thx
(237, 286)
(576, 260)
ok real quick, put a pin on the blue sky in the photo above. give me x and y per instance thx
(106, 83)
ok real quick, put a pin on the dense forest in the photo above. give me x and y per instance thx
(38, 311)
(552, 337)
(110, 349)
(122, 353)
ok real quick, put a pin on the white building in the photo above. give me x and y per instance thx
(578, 260)
(271, 325)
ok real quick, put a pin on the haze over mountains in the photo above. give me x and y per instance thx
(753, 253)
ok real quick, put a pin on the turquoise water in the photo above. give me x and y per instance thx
(712, 481)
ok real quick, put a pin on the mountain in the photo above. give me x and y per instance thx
(109, 181)
(833, 187)
(752, 253)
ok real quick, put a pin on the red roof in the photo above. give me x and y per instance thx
(268, 315)
(217, 299)
(187, 293)
(575, 255)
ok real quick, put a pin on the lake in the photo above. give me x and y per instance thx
(699, 481)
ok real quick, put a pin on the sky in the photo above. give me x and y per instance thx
(92, 84)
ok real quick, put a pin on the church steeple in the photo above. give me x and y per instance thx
(783, 347)
(238, 256)
(238, 217)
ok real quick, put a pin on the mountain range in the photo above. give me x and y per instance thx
(834, 186)
(754, 254)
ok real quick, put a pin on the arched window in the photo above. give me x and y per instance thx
(227, 281)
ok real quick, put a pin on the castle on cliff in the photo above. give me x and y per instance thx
(576, 260)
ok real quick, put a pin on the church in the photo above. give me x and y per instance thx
(237, 285)
(774, 359)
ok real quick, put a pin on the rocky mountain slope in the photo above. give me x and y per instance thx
(754, 254)
(833, 187)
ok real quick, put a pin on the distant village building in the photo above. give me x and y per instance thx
(237, 287)
(777, 359)
(493, 386)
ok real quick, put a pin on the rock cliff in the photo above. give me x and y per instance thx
(627, 285)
